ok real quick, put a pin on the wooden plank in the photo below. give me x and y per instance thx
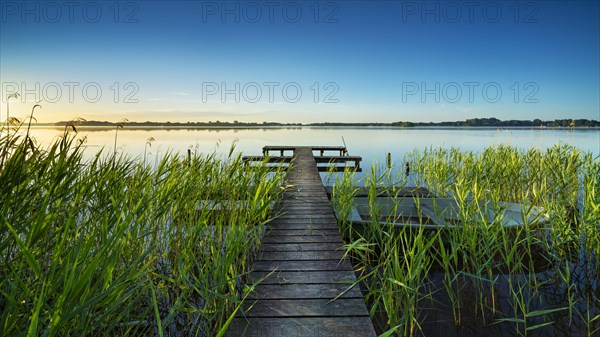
(308, 199)
(308, 215)
(306, 188)
(308, 194)
(285, 221)
(279, 231)
(301, 277)
(306, 291)
(303, 239)
(328, 217)
(321, 205)
(337, 159)
(269, 167)
(339, 168)
(278, 247)
(312, 148)
(307, 308)
(302, 327)
(302, 255)
(301, 212)
(269, 159)
(325, 265)
(302, 226)
(307, 208)
(307, 211)
(306, 219)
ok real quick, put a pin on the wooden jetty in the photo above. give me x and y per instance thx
(335, 163)
(305, 286)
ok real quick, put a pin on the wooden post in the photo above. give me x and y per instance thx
(189, 157)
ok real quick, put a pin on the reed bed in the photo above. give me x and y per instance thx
(114, 247)
(483, 278)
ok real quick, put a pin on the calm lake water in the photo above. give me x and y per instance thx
(371, 143)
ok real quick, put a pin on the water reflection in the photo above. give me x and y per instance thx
(371, 143)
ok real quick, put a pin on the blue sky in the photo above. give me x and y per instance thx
(301, 61)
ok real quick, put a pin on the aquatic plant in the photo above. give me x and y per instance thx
(534, 279)
(110, 246)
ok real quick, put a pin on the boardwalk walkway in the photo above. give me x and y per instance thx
(302, 248)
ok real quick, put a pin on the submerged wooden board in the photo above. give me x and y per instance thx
(303, 284)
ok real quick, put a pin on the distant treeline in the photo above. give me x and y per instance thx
(177, 124)
(474, 122)
(482, 122)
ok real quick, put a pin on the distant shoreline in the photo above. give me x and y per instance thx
(469, 123)
(297, 127)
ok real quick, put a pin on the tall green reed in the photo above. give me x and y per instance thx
(497, 273)
(109, 246)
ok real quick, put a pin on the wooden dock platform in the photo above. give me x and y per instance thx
(282, 149)
(306, 291)
(333, 162)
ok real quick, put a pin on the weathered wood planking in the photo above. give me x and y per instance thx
(303, 255)
(301, 326)
(313, 265)
(293, 247)
(302, 277)
(304, 291)
(314, 307)
(279, 231)
(303, 284)
(303, 239)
